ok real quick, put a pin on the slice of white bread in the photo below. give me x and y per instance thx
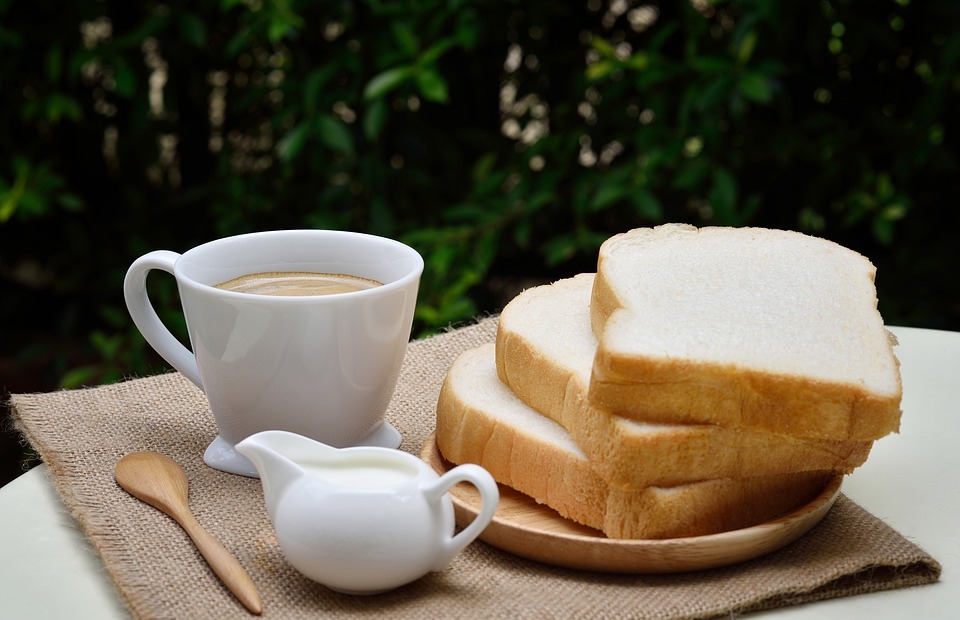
(481, 421)
(743, 327)
(545, 351)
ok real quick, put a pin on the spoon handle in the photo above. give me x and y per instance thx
(223, 563)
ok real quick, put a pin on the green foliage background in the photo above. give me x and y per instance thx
(504, 140)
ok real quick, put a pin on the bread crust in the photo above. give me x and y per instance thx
(624, 453)
(675, 385)
(472, 430)
(674, 391)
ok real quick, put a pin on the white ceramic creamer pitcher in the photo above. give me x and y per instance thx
(362, 520)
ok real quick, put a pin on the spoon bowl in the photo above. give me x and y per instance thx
(160, 482)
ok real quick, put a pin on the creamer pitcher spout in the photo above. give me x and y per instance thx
(274, 455)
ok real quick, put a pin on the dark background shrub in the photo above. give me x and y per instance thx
(504, 140)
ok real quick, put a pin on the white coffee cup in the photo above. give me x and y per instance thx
(321, 366)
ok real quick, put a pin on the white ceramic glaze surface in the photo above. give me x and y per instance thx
(362, 520)
(321, 366)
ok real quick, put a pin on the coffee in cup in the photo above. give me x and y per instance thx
(297, 283)
(320, 365)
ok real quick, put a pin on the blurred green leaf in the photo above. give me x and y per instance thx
(469, 28)
(638, 61)
(106, 345)
(714, 93)
(607, 196)
(723, 197)
(711, 64)
(600, 69)
(647, 205)
(405, 37)
(895, 211)
(483, 166)
(290, 145)
(375, 119)
(433, 53)
(690, 174)
(747, 44)
(432, 86)
(756, 87)
(883, 230)
(335, 134)
(239, 42)
(384, 82)
(560, 249)
(523, 233)
(603, 46)
(192, 28)
(78, 377)
(662, 34)
(451, 311)
(610, 192)
(278, 29)
(884, 187)
(70, 202)
(125, 80)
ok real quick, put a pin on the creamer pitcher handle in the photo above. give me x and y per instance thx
(145, 317)
(489, 498)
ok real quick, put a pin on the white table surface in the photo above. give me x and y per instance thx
(911, 481)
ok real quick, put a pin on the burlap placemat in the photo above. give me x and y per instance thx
(81, 434)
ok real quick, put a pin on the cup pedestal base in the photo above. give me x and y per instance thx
(222, 455)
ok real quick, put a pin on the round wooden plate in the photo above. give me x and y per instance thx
(525, 528)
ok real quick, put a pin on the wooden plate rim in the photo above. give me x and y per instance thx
(673, 555)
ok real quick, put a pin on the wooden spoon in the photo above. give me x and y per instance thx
(162, 483)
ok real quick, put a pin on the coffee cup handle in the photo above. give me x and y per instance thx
(489, 499)
(146, 319)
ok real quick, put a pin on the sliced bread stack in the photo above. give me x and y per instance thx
(702, 380)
